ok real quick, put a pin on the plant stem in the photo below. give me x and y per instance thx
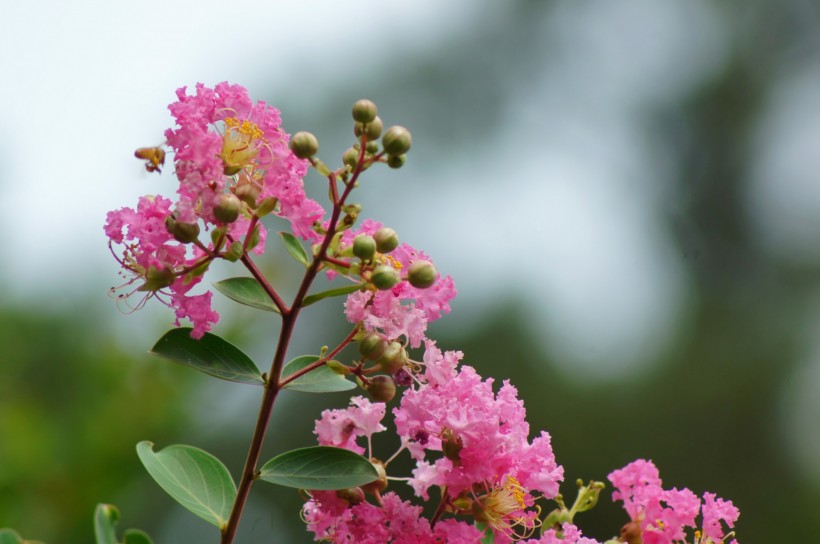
(272, 386)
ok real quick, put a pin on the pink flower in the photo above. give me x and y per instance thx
(341, 428)
(571, 535)
(716, 510)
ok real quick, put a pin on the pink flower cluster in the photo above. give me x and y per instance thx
(467, 440)
(225, 146)
(661, 515)
(404, 310)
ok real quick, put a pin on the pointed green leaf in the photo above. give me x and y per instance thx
(318, 380)
(346, 290)
(106, 517)
(246, 291)
(295, 248)
(319, 468)
(7, 536)
(135, 536)
(194, 478)
(210, 354)
(487, 534)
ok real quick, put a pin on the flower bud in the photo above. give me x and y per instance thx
(384, 277)
(421, 274)
(364, 111)
(351, 157)
(247, 193)
(158, 278)
(397, 140)
(226, 208)
(451, 445)
(182, 232)
(386, 240)
(371, 130)
(393, 358)
(381, 388)
(372, 147)
(364, 247)
(396, 161)
(304, 145)
(353, 495)
(234, 252)
(372, 346)
(380, 484)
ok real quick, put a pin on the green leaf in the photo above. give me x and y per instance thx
(135, 536)
(106, 517)
(319, 468)
(194, 478)
(295, 248)
(210, 354)
(487, 533)
(318, 380)
(7, 536)
(346, 290)
(246, 291)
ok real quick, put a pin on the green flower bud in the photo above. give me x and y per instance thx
(381, 388)
(351, 157)
(393, 358)
(451, 445)
(384, 277)
(372, 147)
(227, 208)
(386, 240)
(380, 484)
(158, 278)
(234, 252)
(304, 145)
(364, 247)
(557, 518)
(372, 346)
(371, 130)
(182, 232)
(421, 274)
(397, 140)
(364, 111)
(396, 161)
(266, 206)
(247, 193)
(353, 495)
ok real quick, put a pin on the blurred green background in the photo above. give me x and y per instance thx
(626, 194)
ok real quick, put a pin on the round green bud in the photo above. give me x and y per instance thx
(157, 278)
(364, 247)
(397, 140)
(380, 484)
(247, 193)
(353, 495)
(393, 358)
(234, 252)
(182, 232)
(304, 145)
(381, 388)
(386, 240)
(372, 147)
(384, 277)
(226, 208)
(372, 346)
(396, 161)
(364, 111)
(421, 274)
(351, 157)
(371, 130)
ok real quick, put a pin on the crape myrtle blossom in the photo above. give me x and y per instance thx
(660, 516)
(233, 165)
(569, 534)
(402, 310)
(466, 440)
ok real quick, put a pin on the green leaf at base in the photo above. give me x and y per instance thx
(210, 354)
(318, 380)
(319, 468)
(295, 248)
(246, 291)
(106, 517)
(194, 478)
